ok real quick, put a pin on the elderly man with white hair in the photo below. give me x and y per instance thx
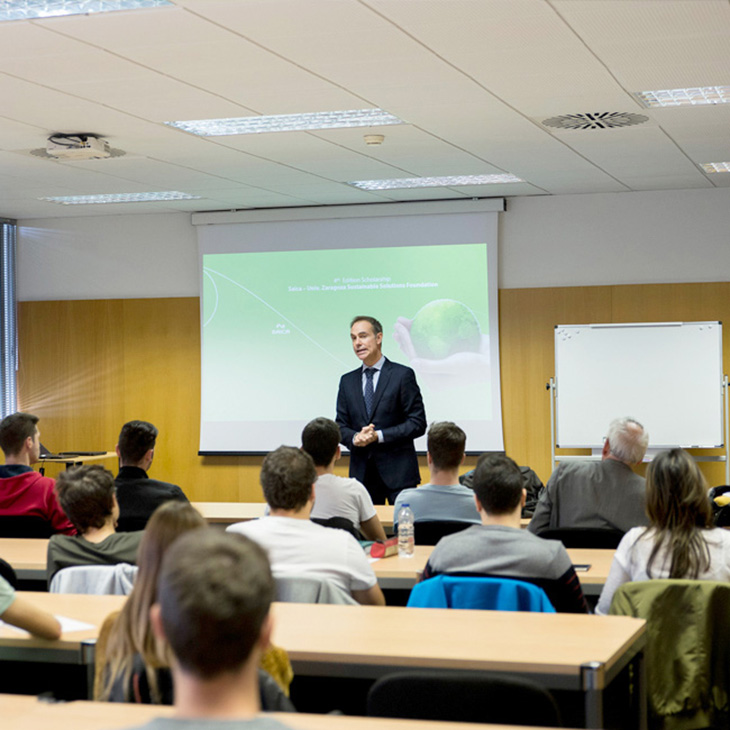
(604, 494)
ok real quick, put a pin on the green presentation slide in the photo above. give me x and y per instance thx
(276, 334)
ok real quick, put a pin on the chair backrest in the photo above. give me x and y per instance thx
(108, 580)
(25, 526)
(429, 533)
(299, 588)
(492, 594)
(584, 537)
(481, 697)
(7, 572)
(688, 648)
(339, 523)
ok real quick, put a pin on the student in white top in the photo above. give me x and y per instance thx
(443, 498)
(680, 541)
(293, 542)
(338, 496)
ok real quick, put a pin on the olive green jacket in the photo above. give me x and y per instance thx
(688, 648)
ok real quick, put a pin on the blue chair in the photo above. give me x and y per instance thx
(492, 594)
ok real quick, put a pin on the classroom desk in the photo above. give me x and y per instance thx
(600, 561)
(561, 651)
(404, 573)
(75, 647)
(21, 712)
(26, 555)
(78, 459)
(28, 558)
(227, 513)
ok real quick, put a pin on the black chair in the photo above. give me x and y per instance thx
(7, 572)
(460, 696)
(339, 523)
(429, 533)
(25, 526)
(584, 537)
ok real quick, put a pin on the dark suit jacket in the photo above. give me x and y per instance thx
(397, 411)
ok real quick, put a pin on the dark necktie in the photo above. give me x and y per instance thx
(369, 390)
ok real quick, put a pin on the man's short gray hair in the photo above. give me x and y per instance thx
(627, 440)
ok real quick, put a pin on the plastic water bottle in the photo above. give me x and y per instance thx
(406, 539)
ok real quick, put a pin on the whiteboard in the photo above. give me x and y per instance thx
(666, 375)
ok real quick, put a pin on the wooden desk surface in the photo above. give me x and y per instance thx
(22, 712)
(395, 636)
(395, 572)
(226, 513)
(369, 641)
(70, 647)
(79, 459)
(27, 556)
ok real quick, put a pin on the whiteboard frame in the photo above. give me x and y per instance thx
(724, 410)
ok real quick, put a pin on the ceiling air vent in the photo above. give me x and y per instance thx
(596, 120)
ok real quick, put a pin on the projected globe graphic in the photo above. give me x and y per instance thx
(444, 327)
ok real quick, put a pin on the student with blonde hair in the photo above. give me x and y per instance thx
(136, 665)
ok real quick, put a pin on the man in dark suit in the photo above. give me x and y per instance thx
(380, 412)
(137, 494)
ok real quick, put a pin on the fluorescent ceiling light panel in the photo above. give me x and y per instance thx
(27, 9)
(121, 198)
(716, 166)
(695, 96)
(288, 122)
(435, 182)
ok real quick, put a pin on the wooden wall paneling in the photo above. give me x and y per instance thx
(162, 385)
(527, 320)
(69, 372)
(86, 367)
(680, 303)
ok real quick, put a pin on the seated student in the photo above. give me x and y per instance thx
(136, 666)
(681, 540)
(21, 612)
(86, 494)
(137, 494)
(443, 498)
(338, 496)
(499, 548)
(297, 545)
(24, 492)
(212, 610)
(603, 494)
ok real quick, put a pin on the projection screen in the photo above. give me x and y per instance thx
(277, 299)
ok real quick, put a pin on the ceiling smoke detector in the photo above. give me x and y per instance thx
(595, 120)
(374, 139)
(77, 147)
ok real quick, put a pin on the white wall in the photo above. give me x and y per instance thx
(615, 238)
(569, 240)
(109, 257)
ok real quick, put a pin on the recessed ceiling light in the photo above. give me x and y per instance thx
(694, 96)
(287, 122)
(27, 9)
(716, 166)
(435, 182)
(121, 198)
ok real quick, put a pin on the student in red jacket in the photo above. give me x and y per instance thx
(22, 490)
